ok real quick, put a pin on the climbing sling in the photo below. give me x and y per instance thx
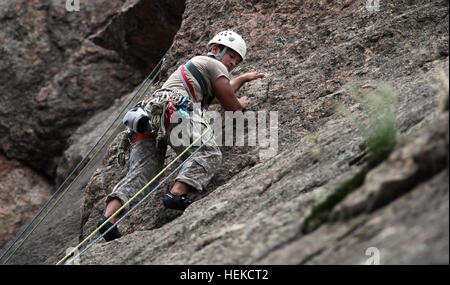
(160, 113)
(201, 81)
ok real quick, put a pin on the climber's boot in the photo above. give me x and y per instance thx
(112, 234)
(177, 202)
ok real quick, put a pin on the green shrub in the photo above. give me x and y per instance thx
(380, 133)
(379, 129)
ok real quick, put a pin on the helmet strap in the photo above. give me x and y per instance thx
(219, 56)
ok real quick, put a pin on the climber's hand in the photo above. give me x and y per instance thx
(253, 75)
(244, 102)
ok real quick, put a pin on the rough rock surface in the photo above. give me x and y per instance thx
(135, 29)
(316, 53)
(410, 230)
(256, 218)
(132, 32)
(22, 193)
(54, 78)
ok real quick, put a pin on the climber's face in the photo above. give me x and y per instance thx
(230, 59)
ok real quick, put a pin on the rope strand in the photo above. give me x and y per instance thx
(156, 68)
(137, 194)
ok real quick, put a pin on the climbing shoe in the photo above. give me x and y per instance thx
(112, 234)
(176, 202)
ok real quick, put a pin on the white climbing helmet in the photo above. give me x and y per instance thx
(231, 40)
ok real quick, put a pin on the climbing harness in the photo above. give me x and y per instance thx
(159, 118)
(84, 161)
(135, 137)
(138, 126)
(72, 252)
(151, 118)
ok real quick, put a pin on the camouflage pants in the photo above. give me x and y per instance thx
(146, 159)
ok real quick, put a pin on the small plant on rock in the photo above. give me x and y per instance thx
(380, 133)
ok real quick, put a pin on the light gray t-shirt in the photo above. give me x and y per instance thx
(210, 68)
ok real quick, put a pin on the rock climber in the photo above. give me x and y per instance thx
(175, 99)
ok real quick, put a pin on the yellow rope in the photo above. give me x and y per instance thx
(137, 194)
(76, 178)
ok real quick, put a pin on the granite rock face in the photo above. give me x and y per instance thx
(316, 54)
(54, 78)
(257, 217)
(142, 31)
(21, 202)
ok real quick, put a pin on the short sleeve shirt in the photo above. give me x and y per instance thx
(210, 68)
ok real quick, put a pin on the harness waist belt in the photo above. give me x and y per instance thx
(137, 137)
